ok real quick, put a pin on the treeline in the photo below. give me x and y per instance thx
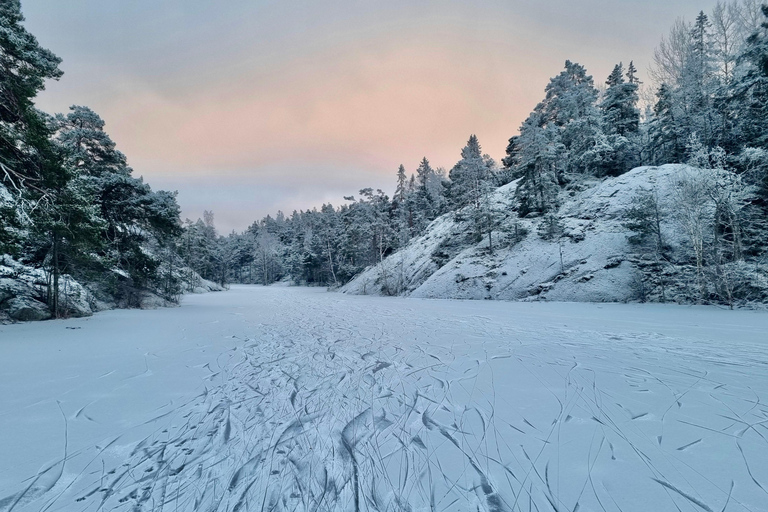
(70, 204)
(68, 200)
(331, 245)
(709, 109)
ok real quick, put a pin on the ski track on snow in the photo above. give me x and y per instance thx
(331, 406)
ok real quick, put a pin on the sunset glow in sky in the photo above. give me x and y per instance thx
(246, 107)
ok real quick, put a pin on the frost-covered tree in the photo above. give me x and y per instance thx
(725, 39)
(617, 149)
(402, 185)
(428, 195)
(667, 128)
(539, 160)
(199, 246)
(619, 104)
(267, 252)
(132, 213)
(64, 233)
(24, 67)
(750, 89)
(471, 176)
(570, 105)
(701, 66)
(563, 136)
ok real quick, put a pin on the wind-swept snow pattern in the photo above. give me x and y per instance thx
(313, 401)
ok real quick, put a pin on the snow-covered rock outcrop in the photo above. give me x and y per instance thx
(589, 261)
(23, 293)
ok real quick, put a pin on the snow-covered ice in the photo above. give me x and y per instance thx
(298, 399)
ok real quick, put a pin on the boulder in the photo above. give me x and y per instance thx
(27, 309)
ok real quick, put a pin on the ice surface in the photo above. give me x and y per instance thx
(298, 399)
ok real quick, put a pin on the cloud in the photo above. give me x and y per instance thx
(246, 107)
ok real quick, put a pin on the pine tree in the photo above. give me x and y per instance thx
(470, 176)
(540, 160)
(616, 77)
(616, 151)
(428, 196)
(132, 212)
(620, 113)
(562, 135)
(698, 85)
(750, 96)
(64, 229)
(750, 101)
(570, 105)
(24, 67)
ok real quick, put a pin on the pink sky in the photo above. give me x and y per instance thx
(250, 107)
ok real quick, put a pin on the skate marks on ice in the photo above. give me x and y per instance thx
(331, 408)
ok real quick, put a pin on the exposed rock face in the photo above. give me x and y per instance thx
(203, 286)
(26, 309)
(589, 260)
(23, 290)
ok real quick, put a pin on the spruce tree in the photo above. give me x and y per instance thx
(470, 176)
(402, 185)
(750, 96)
(540, 159)
(619, 105)
(668, 129)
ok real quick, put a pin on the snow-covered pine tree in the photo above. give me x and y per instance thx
(24, 67)
(570, 105)
(750, 90)
(470, 176)
(428, 196)
(539, 159)
(132, 212)
(750, 101)
(619, 105)
(668, 129)
(617, 150)
(64, 229)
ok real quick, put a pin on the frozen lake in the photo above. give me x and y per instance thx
(298, 399)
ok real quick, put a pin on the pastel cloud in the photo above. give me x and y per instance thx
(299, 99)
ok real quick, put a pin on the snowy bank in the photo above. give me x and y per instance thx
(23, 293)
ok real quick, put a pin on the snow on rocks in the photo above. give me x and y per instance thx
(201, 285)
(23, 288)
(23, 293)
(588, 262)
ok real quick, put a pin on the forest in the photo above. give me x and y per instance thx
(70, 205)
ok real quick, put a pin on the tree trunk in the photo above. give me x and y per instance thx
(55, 298)
(330, 263)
